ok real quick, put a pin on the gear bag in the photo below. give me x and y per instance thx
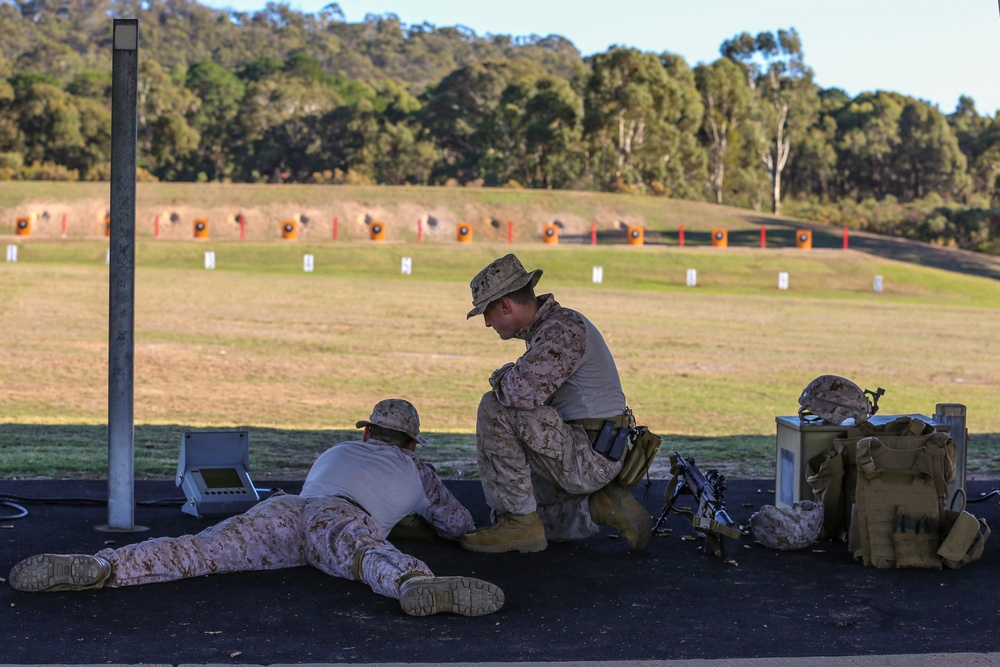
(902, 485)
(832, 475)
(619, 438)
(899, 518)
(964, 535)
(642, 449)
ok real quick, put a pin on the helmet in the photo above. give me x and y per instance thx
(788, 528)
(835, 399)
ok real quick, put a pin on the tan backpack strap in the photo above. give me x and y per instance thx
(936, 453)
(866, 458)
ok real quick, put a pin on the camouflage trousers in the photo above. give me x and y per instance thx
(283, 531)
(531, 460)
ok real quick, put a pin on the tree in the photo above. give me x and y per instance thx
(474, 117)
(220, 94)
(786, 96)
(91, 158)
(402, 155)
(813, 164)
(986, 166)
(928, 158)
(682, 171)
(977, 140)
(11, 140)
(727, 100)
(171, 143)
(48, 123)
(279, 116)
(166, 141)
(553, 132)
(640, 115)
(867, 138)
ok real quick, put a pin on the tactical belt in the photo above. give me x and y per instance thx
(593, 425)
(352, 501)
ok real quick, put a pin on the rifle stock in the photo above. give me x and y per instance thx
(710, 519)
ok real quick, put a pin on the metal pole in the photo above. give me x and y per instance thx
(954, 415)
(121, 312)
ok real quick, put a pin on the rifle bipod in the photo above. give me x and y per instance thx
(721, 534)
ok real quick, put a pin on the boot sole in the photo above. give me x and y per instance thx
(54, 572)
(453, 595)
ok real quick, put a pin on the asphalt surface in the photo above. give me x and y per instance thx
(590, 602)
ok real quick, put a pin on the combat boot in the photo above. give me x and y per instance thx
(58, 572)
(420, 595)
(614, 506)
(512, 532)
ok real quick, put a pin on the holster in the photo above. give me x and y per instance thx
(611, 441)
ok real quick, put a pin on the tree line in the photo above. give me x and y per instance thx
(282, 96)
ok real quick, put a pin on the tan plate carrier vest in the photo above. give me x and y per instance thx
(892, 483)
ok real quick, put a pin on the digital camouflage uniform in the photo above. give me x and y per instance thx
(354, 494)
(326, 532)
(530, 458)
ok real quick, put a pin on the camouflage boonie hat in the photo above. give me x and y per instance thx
(502, 276)
(788, 528)
(836, 399)
(395, 414)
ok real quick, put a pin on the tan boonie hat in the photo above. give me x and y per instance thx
(502, 276)
(396, 414)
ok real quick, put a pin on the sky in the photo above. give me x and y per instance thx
(934, 50)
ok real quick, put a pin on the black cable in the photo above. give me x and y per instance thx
(89, 502)
(994, 492)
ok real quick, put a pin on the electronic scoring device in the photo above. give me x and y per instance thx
(212, 471)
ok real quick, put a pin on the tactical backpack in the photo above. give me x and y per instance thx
(902, 487)
(899, 517)
(834, 399)
(832, 475)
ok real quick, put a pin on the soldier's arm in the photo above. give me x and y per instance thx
(553, 354)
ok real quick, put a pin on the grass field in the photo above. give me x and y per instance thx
(298, 357)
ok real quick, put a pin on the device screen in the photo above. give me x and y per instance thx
(221, 478)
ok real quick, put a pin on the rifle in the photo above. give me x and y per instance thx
(721, 534)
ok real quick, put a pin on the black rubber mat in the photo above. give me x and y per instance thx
(589, 600)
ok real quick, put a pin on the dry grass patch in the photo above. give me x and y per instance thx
(297, 358)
